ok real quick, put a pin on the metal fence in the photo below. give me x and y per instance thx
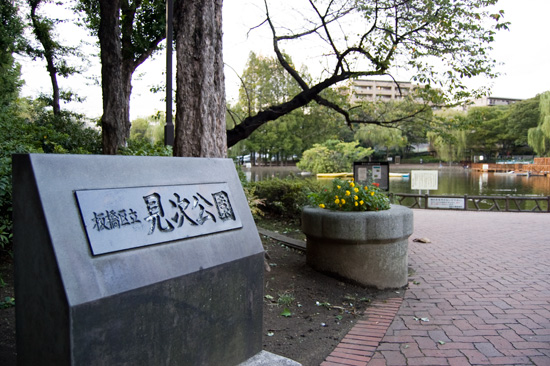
(473, 203)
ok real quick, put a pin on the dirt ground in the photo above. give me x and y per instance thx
(305, 313)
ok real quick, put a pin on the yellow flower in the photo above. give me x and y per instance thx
(348, 193)
(338, 187)
(337, 201)
(322, 205)
(351, 184)
(361, 202)
(372, 193)
(343, 201)
(356, 204)
(356, 189)
(366, 188)
(356, 197)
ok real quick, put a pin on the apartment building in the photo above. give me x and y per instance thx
(370, 90)
(493, 101)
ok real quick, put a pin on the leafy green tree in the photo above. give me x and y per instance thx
(539, 137)
(523, 116)
(150, 129)
(265, 82)
(332, 157)
(417, 34)
(11, 28)
(495, 131)
(129, 31)
(488, 130)
(411, 121)
(51, 50)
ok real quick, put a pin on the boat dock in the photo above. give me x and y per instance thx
(540, 167)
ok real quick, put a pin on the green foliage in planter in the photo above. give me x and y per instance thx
(350, 196)
(284, 197)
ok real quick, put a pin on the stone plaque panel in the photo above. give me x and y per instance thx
(126, 218)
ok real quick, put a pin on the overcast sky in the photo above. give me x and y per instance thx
(523, 51)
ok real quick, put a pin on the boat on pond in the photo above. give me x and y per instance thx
(400, 175)
(334, 175)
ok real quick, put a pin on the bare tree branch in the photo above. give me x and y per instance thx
(408, 31)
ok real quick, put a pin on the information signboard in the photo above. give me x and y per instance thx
(372, 172)
(424, 180)
(446, 202)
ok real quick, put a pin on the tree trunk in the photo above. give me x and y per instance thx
(53, 77)
(128, 70)
(114, 120)
(200, 95)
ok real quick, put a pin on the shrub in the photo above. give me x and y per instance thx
(143, 147)
(253, 201)
(332, 157)
(37, 131)
(284, 197)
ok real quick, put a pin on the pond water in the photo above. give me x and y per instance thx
(451, 181)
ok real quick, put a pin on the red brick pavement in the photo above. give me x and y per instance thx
(358, 346)
(479, 294)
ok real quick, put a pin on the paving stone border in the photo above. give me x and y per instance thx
(359, 345)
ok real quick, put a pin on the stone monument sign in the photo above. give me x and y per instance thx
(134, 261)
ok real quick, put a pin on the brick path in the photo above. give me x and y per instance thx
(479, 294)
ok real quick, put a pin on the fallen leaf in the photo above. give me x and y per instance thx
(422, 240)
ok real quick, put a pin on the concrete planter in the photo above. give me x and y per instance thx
(369, 248)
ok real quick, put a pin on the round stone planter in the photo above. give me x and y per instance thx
(369, 248)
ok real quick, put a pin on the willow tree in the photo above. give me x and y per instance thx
(539, 137)
(443, 42)
(381, 138)
(452, 147)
